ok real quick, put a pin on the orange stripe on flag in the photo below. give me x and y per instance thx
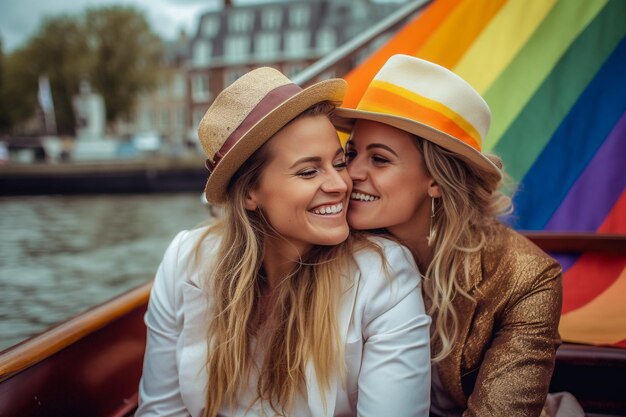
(407, 41)
(404, 107)
(455, 35)
(602, 321)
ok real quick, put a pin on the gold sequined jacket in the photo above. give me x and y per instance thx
(502, 363)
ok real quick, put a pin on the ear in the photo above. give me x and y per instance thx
(251, 201)
(433, 189)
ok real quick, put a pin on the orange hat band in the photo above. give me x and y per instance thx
(386, 98)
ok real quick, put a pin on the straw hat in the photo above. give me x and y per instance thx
(426, 100)
(247, 114)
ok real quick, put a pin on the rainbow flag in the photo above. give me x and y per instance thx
(554, 75)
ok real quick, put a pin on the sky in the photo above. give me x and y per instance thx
(20, 19)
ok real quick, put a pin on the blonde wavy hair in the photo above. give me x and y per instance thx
(303, 318)
(465, 215)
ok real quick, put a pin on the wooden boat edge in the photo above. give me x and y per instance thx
(46, 344)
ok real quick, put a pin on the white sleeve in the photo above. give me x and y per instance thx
(159, 391)
(395, 370)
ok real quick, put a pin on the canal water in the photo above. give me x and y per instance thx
(60, 255)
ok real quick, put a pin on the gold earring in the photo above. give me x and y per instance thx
(431, 231)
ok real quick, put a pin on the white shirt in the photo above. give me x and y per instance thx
(381, 321)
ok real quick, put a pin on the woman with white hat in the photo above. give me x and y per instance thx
(495, 298)
(276, 310)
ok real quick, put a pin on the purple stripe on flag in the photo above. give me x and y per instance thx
(600, 185)
(596, 191)
(565, 259)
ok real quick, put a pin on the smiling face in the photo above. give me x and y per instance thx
(304, 187)
(391, 184)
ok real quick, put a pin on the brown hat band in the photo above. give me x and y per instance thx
(267, 104)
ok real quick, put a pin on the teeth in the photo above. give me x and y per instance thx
(363, 197)
(332, 209)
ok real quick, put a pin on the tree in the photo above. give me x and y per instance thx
(126, 57)
(59, 50)
(111, 47)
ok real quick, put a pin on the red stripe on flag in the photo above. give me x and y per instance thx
(591, 275)
(615, 222)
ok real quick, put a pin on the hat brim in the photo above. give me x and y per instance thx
(328, 90)
(344, 119)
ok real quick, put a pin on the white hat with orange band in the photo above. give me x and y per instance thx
(429, 101)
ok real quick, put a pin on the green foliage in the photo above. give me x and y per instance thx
(111, 47)
(127, 55)
(59, 51)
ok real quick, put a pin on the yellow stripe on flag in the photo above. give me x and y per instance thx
(458, 31)
(501, 40)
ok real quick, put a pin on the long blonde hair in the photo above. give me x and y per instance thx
(304, 315)
(464, 217)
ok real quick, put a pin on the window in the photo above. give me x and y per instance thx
(163, 91)
(200, 87)
(231, 74)
(296, 42)
(299, 15)
(198, 114)
(180, 117)
(165, 118)
(202, 53)
(272, 18)
(178, 85)
(292, 69)
(352, 31)
(144, 119)
(236, 47)
(240, 21)
(359, 11)
(326, 39)
(211, 26)
(328, 75)
(267, 45)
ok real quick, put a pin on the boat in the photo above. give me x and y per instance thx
(91, 364)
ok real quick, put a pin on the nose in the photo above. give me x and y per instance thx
(357, 170)
(336, 183)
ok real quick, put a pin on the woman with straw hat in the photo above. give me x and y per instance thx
(495, 298)
(276, 310)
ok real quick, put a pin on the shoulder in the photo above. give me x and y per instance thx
(188, 252)
(516, 256)
(512, 246)
(386, 276)
(385, 264)
(188, 241)
(376, 251)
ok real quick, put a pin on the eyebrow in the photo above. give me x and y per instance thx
(313, 158)
(380, 145)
